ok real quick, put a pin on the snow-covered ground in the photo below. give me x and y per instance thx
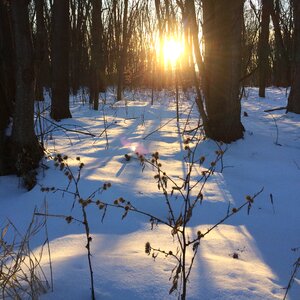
(266, 241)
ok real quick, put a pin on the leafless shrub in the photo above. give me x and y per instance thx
(21, 273)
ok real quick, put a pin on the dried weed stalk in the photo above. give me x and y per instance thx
(21, 273)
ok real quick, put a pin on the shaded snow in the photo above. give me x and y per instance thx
(263, 240)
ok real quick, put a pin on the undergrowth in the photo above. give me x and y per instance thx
(21, 272)
(190, 191)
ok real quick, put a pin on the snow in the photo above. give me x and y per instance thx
(268, 157)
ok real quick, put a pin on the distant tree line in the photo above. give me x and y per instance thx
(64, 45)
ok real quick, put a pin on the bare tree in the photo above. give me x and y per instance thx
(123, 52)
(7, 87)
(263, 46)
(25, 148)
(60, 60)
(97, 76)
(222, 30)
(281, 63)
(42, 63)
(294, 97)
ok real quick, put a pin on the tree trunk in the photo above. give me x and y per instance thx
(281, 72)
(79, 68)
(6, 78)
(60, 61)
(97, 75)
(160, 81)
(191, 20)
(42, 63)
(123, 53)
(7, 86)
(222, 36)
(263, 46)
(26, 151)
(294, 97)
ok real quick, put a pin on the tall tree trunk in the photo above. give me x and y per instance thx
(188, 57)
(186, 71)
(161, 64)
(263, 46)
(294, 97)
(123, 52)
(79, 56)
(26, 150)
(281, 72)
(190, 12)
(222, 37)
(7, 87)
(97, 74)
(42, 63)
(60, 60)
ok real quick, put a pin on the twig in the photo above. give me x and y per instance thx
(232, 213)
(88, 247)
(277, 130)
(298, 167)
(277, 108)
(160, 127)
(58, 216)
(105, 128)
(296, 267)
(48, 247)
(66, 129)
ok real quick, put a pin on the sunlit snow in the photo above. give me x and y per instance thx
(266, 242)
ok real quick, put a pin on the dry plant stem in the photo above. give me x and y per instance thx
(66, 129)
(277, 130)
(177, 221)
(228, 215)
(39, 120)
(296, 267)
(58, 216)
(188, 117)
(134, 209)
(88, 247)
(160, 127)
(49, 253)
(61, 162)
(104, 131)
(221, 156)
(105, 128)
(274, 109)
(179, 224)
(20, 267)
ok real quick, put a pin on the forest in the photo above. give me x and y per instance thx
(149, 149)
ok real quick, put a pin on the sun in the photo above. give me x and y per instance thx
(172, 50)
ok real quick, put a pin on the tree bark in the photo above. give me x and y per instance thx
(42, 63)
(294, 97)
(222, 37)
(192, 21)
(26, 151)
(281, 64)
(160, 82)
(263, 46)
(7, 87)
(97, 74)
(60, 61)
(123, 53)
